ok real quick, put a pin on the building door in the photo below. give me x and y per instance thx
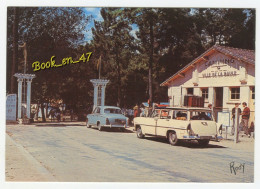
(218, 97)
(218, 101)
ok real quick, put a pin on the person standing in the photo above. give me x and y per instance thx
(233, 117)
(136, 110)
(209, 114)
(245, 117)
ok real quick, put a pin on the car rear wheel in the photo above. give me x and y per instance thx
(172, 138)
(139, 133)
(122, 129)
(203, 143)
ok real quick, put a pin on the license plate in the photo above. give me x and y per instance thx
(205, 137)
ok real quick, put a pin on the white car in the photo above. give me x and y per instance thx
(179, 123)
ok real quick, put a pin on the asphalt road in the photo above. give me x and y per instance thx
(72, 152)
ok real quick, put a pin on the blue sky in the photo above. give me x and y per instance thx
(95, 12)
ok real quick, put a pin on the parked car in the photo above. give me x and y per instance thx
(107, 116)
(179, 123)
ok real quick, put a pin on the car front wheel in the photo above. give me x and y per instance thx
(88, 125)
(139, 133)
(172, 137)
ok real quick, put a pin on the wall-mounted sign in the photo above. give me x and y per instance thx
(220, 67)
(11, 107)
(219, 74)
(220, 62)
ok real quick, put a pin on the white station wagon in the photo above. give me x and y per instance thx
(179, 123)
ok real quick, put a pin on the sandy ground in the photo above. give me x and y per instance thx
(21, 166)
(72, 152)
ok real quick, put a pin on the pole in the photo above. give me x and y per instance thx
(236, 126)
(24, 86)
(28, 112)
(20, 84)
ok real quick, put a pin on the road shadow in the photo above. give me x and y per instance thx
(57, 125)
(114, 130)
(187, 144)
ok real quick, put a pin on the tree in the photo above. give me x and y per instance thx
(245, 37)
(112, 40)
(146, 20)
(15, 47)
(60, 31)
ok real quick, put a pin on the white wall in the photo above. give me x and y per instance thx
(215, 65)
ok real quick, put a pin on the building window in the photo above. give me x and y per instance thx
(190, 91)
(253, 92)
(235, 93)
(205, 93)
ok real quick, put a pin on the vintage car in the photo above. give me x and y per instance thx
(107, 116)
(179, 123)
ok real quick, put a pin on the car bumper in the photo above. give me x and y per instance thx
(115, 126)
(202, 137)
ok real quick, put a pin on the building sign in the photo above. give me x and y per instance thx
(220, 67)
(219, 74)
(11, 107)
(220, 62)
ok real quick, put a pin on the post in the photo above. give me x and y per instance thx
(20, 78)
(95, 95)
(103, 95)
(28, 113)
(20, 84)
(236, 126)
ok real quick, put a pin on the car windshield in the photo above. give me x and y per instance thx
(201, 115)
(112, 111)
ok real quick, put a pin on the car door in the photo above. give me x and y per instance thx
(169, 121)
(149, 126)
(91, 117)
(96, 115)
(163, 123)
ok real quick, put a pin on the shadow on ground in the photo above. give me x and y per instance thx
(187, 144)
(114, 130)
(58, 125)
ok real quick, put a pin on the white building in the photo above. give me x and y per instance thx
(222, 75)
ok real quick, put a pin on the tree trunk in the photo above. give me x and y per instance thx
(15, 49)
(151, 65)
(118, 80)
(43, 114)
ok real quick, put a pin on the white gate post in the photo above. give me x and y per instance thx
(20, 84)
(103, 95)
(28, 113)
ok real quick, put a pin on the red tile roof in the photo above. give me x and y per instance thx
(241, 54)
(245, 55)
